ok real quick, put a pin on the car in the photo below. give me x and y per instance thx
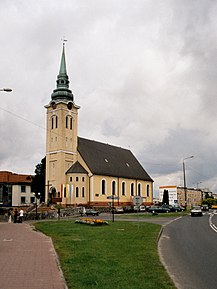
(139, 208)
(179, 208)
(128, 209)
(174, 208)
(196, 211)
(119, 210)
(205, 207)
(158, 209)
(91, 212)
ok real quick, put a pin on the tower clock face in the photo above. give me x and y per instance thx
(53, 104)
(69, 105)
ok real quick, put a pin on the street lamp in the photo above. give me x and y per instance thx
(37, 196)
(6, 89)
(185, 188)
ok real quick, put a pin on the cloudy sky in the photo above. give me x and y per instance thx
(144, 73)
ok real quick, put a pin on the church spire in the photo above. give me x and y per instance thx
(63, 62)
(62, 92)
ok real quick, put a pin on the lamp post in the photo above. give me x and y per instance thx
(185, 188)
(6, 89)
(37, 196)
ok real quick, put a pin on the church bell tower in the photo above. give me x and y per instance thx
(61, 133)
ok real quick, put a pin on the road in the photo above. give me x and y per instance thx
(188, 250)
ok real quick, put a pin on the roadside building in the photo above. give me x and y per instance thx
(80, 171)
(179, 195)
(15, 189)
(172, 192)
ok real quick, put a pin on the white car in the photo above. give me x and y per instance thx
(139, 208)
(196, 211)
(119, 210)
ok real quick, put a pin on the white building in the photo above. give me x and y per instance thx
(172, 192)
(15, 189)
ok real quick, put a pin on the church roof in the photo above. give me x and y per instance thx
(76, 168)
(109, 160)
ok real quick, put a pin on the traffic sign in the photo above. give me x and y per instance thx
(137, 200)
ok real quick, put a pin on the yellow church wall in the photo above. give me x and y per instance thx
(76, 190)
(61, 144)
(87, 190)
(97, 196)
(59, 137)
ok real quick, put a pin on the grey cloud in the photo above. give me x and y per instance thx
(144, 74)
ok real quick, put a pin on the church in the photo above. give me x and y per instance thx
(85, 172)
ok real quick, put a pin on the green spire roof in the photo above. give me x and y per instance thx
(62, 92)
(63, 63)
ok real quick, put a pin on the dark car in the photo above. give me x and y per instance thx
(91, 212)
(158, 209)
(128, 209)
(175, 208)
(205, 207)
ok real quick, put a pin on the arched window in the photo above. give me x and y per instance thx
(132, 189)
(148, 191)
(113, 188)
(83, 192)
(68, 122)
(103, 187)
(54, 122)
(77, 192)
(123, 188)
(139, 189)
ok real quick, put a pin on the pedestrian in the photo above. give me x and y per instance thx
(9, 216)
(15, 216)
(21, 216)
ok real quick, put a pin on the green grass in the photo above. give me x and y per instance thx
(121, 255)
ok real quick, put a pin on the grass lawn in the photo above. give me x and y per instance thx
(121, 255)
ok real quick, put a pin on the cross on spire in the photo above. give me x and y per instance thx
(64, 40)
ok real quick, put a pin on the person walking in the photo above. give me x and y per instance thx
(9, 216)
(21, 216)
(15, 215)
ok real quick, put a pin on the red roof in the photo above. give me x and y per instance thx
(9, 177)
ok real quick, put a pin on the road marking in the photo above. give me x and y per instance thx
(212, 226)
(166, 236)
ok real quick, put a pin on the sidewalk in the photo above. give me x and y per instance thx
(28, 259)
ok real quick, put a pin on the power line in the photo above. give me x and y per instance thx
(20, 117)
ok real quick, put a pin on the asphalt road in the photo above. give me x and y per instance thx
(188, 250)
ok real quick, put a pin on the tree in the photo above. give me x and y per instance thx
(166, 197)
(38, 182)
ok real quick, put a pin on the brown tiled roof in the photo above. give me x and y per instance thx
(109, 160)
(9, 177)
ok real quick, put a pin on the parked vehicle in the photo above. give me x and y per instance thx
(196, 211)
(158, 209)
(139, 208)
(118, 210)
(128, 209)
(175, 208)
(91, 212)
